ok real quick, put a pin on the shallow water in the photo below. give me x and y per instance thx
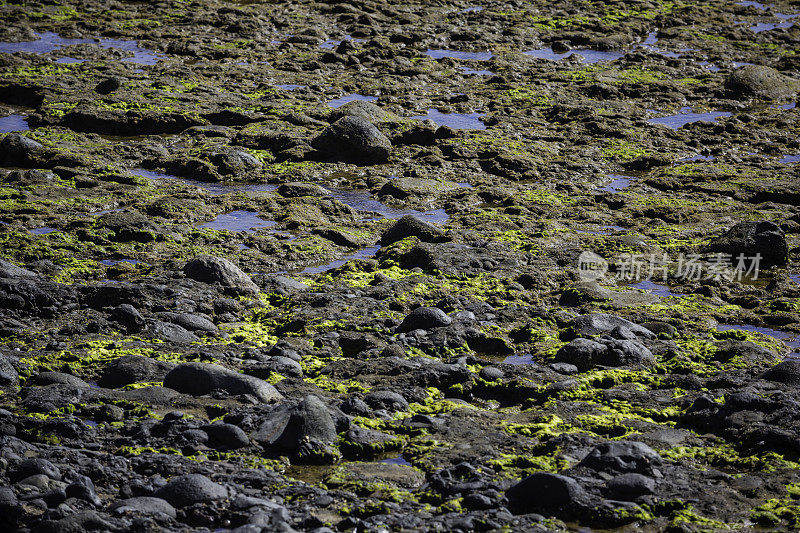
(364, 253)
(457, 121)
(330, 44)
(363, 201)
(216, 189)
(467, 70)
(472, 9)
(795, 277)
(787, 107)
(398, 460)
(49, 42)
(247, 221)
(290, 86)
(617, 184)
(13, 123)
(696, 157)
(339, 102)
(69, 60)
(655, 288)
(790, 159)
(112, 262)
(789, 339)
(685, 116)
(603, 230)
(588, 55)
(456, 54)
(519, 359)
(41, 231)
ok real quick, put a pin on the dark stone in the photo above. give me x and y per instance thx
(411, 226)
(760, 81)
(601, 323)
(229, 436)
(751, 238)
(145, 505)
(133, 369)
(288, 426)
(129, 226)
(545, 491)
(622, 457)
(424, 318)
(32, 467)
(18, 150)
(109, 85)
(296, 190)
(786, 372)
(129, 317)
(353, 139)
(202, 378)
(191, 489)
(209, 269)
(627, 487)
(390, 401)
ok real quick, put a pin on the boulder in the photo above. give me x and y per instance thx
(190, 489)
(198, 379)
(411, 226)
(353, 140)
(760, 81)
(209, 269)
(751, 238)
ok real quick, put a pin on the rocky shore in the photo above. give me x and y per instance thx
(368, 266)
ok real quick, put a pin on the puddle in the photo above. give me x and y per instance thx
(112, 262)
(767, 26)
(69, 60)
(588, 55)
(467, 70)
(789, 339)
(790, 159)
(398, 460)
(603, 230)
(618, 183)
(787, 107)
(90, 423)
(738, 64)
(216, 189)
(655, 288)
(49, 42)
(525, 359)
(330, 44)
(709, 66)
(363, 201)
(457, 121)
(290, 86)
(757, 5)
(650, 44)
(105, 212)
(339, 102)
(13, 123)
(41, 231)
(364, 253)
(473, 9)
(696, 157)
(237, 221)
(455, 54)
(685, 116)
(795, 277)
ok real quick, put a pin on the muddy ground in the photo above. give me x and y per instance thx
(314, 266)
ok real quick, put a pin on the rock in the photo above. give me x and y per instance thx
(82, 488)
(236, 162)
(229, 436)
(353, 343)
(390, 401)
(491, 373)
(622, 457)
(10, 270)
(751, 238)
(354, 140)
(18, 150)
(129, 317)
(424, 318)
(133, 369)
(145, 505)
(201, 378)
(296, 190)
(600, 323)
(362, 442)
(364, 110)
(32, 467)
(405, 187)
(192, 322)
(109, 85)
(628, 487)
(586, 354)
(209, 269)
(786, 372)
(8, 374)
(172, 333)
(189, 490)
(129, 226)
(545, 491)
(411, 226)
(288, 426)
(48, 378)
(760, 81)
